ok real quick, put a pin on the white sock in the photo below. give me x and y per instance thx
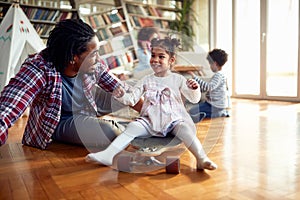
(106, 156)
(203, 162)
(206, 163)
(101, 157)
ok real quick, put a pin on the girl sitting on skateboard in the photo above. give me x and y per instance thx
(163, 110)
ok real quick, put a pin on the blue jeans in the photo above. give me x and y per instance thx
(205, 110)
(85, 130)
(89, 130)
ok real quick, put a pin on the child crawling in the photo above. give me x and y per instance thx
(163, 111)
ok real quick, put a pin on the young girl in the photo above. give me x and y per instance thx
(163, 110)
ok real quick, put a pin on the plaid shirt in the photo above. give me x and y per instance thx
(39, 86)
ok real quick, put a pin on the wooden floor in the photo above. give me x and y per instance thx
(257, 150)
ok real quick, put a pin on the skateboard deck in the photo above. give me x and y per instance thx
(153, 153)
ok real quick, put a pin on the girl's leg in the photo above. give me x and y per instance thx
(185, 133)
(134, 129)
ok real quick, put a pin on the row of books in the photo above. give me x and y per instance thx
(146, 22)
(136, 9)
(147, 10)
(105, 49)
(116, 44)
(109, 32)
(114, 61)
(47, 14)
(99, 20)
(43, 29)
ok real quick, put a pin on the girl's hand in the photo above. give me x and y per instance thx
(192, 84)
(118, 92)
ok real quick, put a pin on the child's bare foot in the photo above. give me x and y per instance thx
(206, 163)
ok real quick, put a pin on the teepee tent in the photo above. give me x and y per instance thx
(18, 39)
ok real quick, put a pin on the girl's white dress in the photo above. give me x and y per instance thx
(163, 106)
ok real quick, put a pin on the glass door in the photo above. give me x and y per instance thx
(282, 48)
(265, 49)
(246, 47)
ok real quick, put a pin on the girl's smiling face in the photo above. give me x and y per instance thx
(160, 61)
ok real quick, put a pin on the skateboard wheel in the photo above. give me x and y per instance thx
(173, 165)
(123, 163)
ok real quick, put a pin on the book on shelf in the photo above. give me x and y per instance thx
(131, 54)
(135, 21)
(137, 9)
(38, 28)
(104, 34)
(163, 24)
(106, 18)
(118, 30)
(112, 62)
(154, 12)
(99, 36)
(115, 31)
(45, 15)
(142, 10)
(64, 15)
(46, 30)
(116, 17)
(27, 11)
(105, 49)
(91, 21)
(37, 14)
(43, 29)
(54, 15)
(95, 21)
(30, 12)
(145, 22)
(127, 41)
(100, 20)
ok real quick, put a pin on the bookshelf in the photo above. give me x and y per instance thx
(111, 27)
(43, 18)
(147, 14)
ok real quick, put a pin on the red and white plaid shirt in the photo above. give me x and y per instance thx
(38, 85)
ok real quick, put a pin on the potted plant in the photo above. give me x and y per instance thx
(182, 24)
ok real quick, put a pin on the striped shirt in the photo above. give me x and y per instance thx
(39, 86)
(216, 90)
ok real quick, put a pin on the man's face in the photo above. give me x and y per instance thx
(88, 59)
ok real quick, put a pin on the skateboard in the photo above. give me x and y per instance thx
(153, 153)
